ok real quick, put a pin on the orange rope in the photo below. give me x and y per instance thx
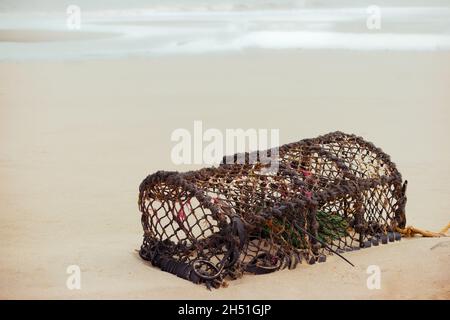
(411, 231)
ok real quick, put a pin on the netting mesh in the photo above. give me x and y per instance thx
(330, 194)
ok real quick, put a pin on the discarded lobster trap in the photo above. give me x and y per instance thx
(330, 194)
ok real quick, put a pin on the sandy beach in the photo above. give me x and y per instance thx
(77, 138)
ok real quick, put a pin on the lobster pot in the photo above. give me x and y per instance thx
(329, 194)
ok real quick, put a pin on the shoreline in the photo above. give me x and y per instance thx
(21, 36)
(116, 34)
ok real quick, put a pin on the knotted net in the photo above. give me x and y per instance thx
(331, 194)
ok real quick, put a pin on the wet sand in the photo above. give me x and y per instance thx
(37, 36)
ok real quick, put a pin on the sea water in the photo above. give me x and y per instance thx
(177, 27)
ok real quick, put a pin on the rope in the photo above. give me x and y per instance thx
(411, 231)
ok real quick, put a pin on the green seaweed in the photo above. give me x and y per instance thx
(331, 227)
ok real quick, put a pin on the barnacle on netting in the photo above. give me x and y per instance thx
(330, 194)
